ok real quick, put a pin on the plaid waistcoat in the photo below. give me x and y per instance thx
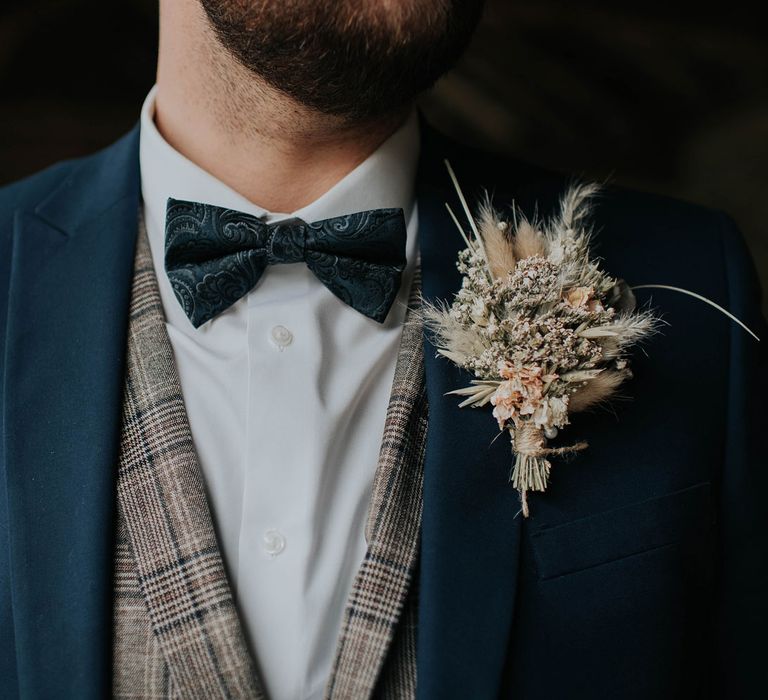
(177, 633)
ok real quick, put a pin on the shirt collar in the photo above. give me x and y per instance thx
(385, 179)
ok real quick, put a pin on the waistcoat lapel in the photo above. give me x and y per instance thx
(167, 527)
(374, 610)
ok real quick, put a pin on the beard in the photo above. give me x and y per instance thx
(359, 60)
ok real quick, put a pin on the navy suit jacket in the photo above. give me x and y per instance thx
(641, 573)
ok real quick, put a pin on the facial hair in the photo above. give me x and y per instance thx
(359, 60)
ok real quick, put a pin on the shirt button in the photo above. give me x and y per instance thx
(274, 542)
(281, 337)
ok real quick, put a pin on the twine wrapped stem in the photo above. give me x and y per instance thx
(531, 470)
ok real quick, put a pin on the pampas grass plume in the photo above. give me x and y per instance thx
(528, 241)
(597, 389)
(496, 240)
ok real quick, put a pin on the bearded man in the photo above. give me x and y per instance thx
(228, 467)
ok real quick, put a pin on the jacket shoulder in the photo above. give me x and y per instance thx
(642, 236)
(616, 213)
(537, 191)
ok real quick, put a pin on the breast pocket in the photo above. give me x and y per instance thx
(674, 518)
(620, 602)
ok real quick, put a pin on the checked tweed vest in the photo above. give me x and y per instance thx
(177, 633)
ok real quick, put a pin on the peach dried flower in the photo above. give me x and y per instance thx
(521, 394)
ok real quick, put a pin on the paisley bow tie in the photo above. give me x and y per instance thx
(214, 256)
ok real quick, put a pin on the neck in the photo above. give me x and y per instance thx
(275, 152)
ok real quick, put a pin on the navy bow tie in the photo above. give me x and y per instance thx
(214, 256)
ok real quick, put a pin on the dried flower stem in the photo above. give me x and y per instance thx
(531, 469)
(464, 204)
(700, 298)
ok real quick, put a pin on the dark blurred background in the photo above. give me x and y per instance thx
(642, 94)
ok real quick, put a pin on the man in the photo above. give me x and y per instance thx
(196, 499)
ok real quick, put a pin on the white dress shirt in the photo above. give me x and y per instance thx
(286, 393)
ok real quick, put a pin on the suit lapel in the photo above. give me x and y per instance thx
(68, 301)
(470, 535)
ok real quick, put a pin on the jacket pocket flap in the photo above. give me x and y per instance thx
(621, 532)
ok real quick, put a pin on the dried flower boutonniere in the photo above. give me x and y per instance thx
(543, 329)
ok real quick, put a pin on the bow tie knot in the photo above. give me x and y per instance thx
(214, 256)
(286, 242)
